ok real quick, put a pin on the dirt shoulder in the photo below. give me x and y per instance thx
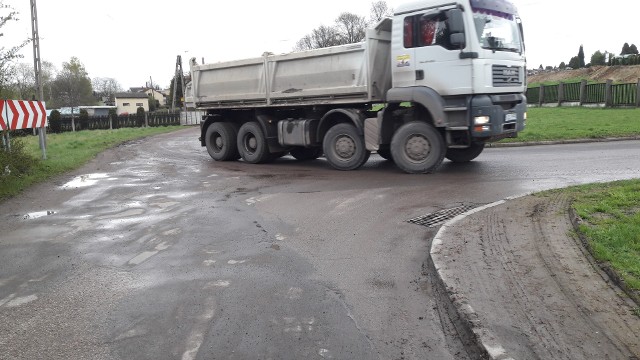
(524, 286)
(618, 73)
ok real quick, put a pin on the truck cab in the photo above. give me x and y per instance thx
(469, 57)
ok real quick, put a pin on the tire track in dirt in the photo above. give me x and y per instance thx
(527, 290)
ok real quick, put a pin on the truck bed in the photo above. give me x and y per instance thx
(353, 73)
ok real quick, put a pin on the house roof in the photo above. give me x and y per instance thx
(128, 95)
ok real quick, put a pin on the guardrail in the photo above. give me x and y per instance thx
(584, 94)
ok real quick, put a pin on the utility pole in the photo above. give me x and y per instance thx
(179, 75)
(37, 66)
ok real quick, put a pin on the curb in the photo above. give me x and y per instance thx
(484, 341)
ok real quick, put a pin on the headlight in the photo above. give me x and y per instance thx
(481, 120)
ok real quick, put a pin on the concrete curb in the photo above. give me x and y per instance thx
(484, 340)
(560, 142)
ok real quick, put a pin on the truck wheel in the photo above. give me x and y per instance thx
(302, 153)
(344, 148)
(252, 144)
(417, 148)
(220, 140)
(465, 155)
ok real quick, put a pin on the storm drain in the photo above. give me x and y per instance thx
(441, 216)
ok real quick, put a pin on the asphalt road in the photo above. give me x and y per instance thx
(154, 251)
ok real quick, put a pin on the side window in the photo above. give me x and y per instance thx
(408, 31)
(434, 31)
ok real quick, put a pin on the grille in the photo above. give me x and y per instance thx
(506, 76)
(441, 216)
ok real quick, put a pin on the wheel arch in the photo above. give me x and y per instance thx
(426, 98)
(338, 116)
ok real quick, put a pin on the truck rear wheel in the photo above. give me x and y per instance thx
(220, 140)
(344, 148)
(417, 148)
(465, 155)
(302, 153)
(252, 144)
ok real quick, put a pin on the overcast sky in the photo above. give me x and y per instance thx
(134, 40)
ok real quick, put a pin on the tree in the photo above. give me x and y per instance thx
(633, 49)
(598, 58)
(24, 81)
(562, 66)
(8, 55)
(72, 86)
(105, 88)
(626, 49)
(581, 57)
(153, 103)
(379, 10)
(351, 27)
(574, 63)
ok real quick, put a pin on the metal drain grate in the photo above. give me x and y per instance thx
(439, 217)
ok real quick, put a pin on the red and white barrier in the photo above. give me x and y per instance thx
(21, 114)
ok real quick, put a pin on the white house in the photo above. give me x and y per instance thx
(128, 103)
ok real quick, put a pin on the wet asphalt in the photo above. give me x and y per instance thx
(154, 251)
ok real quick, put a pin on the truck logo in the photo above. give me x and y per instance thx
(510, 72)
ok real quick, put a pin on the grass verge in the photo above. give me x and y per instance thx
(68, 151)
(610, 223)
(571, 123)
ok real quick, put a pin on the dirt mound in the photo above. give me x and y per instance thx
(618, 73)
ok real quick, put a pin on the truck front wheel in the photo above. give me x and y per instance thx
(465, 155)
(252, 144)
(344, 148)
(220, 140)
(417, 148)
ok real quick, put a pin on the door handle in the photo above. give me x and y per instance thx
(419, 74)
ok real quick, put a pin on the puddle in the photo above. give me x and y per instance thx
(85, 180)
(38, 214)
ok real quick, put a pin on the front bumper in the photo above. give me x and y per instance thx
(495, 117)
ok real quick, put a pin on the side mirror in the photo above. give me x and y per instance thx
(455, 21)
(458, 40)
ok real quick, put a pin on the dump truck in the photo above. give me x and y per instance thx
(438, 79)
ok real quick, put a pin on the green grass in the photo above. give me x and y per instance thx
(570, 123)
(68, 151)
(611, 224)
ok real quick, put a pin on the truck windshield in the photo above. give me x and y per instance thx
(497, 31)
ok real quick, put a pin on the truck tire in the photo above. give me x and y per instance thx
(344, 148)
(303, 154)
(417, 148)
(465, 155)
(252, 144)
(220, 140)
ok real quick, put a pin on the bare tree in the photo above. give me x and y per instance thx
(325, 36)
(8, 55)
(25, 81)
(306, 43)
(352, 27)
(106, 87)
(380, 10)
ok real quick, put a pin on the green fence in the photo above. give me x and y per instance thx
(582, 93)
(105, 122)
